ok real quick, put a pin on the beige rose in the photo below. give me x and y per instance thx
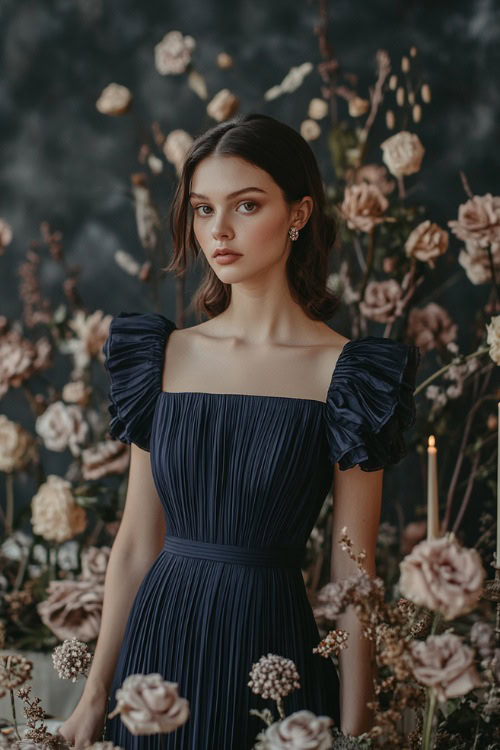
(431, 327)
(426, 242)
(17, 446)
(62, 426)
(76, 392)
(310, 130)
(105, 458)
(478, 220)
(5, 235)
(442, 576)
(91, 332)
(318, 109)
(403, 153)
(358, 106)
(173, 53)
(493, 338)
(73, 609)
(94, 563)
(363, 206)
(21, 358)
(382, 301)
(445, 664)
(223, 105)
(476, 262)
(299, 730)
(54, 513)
(373, 174)
(148, 704)
(114, 100)
(176, 145)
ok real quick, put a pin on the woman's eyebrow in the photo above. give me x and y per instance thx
(230, 195)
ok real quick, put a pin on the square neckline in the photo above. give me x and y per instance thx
(241, 395)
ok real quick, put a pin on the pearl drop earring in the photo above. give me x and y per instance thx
(293, 233)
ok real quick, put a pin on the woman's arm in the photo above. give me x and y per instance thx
(357, 499)
(137, 544)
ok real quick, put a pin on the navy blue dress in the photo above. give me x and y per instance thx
(242, 479)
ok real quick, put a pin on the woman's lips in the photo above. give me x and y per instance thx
(227, 258)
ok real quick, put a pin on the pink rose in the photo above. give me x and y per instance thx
(443, 576)
(148, 704)
(300, 730)
(445, 664)
(73, 608)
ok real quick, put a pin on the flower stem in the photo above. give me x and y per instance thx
(281, 710)
(13, 705)
(425, 383)
(429, 715)
(435, 622)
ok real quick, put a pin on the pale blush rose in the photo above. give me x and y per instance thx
(94, 563)
(373, 174)
(54, 514)
(382, 301)
(62, 426)
(5, 235)
(92, 331)
(443, 576)
(426, 242)
(148, 704)
(310, 130)
(431, 327)
(476, 262)
(176, 145)
(363, 206)
(318, 109)
(17, 446)
(114, 100)
(302, 729)
(76, 392)
(173, 53)
(105, 458)
(493, 338)
(445, 664)
(403, 153)
(358, 106)
(21, 358)
(478, 220)
(223, 105)
(73, 609)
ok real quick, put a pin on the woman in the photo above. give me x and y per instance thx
(238, 426)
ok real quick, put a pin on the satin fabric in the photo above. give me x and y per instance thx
(242, 479)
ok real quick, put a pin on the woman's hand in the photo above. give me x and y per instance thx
(86, 724)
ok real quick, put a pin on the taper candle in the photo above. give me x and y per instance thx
(432, 490)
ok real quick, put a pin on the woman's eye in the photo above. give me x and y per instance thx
(204, 213)
(246, 203)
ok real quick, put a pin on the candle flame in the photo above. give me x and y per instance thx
(432, 441)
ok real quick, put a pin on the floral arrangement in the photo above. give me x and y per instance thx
(54, 552)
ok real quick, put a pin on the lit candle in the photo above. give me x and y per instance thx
(497, 562)
(432, 490)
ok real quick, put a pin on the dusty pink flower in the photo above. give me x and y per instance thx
(54, 513)
(148, 704)
(413, 533)
(476, 262)
(445, 664)
(403, 153)
(363, 206)
(176, 145)
(427, 242)
(382, 301)
(310, 130)
(91, 332)
(73, 608)
(94, 563)
(114, 100)
(223, 105)
(273, 676)
(493, 338)
(17, 446)
(431, 327)
(5, 235)
(443, 576)
(76, 392)
(105, 458)
(478, 220)
(21, 358)
(71, 659)
(173, 53)
(373, 174)
(300, 730)
(62, 426)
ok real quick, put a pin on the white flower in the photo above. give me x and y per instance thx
(55, 515)
(402, 153)
(493, 338)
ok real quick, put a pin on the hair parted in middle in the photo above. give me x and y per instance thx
(286, 156)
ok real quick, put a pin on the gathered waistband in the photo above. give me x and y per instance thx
(281, 557)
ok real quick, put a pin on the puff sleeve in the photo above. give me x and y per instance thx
(370, 402)
(134, 354)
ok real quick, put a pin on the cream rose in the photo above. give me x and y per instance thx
(403, 153)
(426, 242)
(173, 53)
(478, 220)
(114, 100)
(382, 301)
(493, 338)
(105, 458)
(444, 663)
(54, 513)
(302, 729)
(148, 704)
(363, 206)
(443, 576)
(17, 446)
(62, 426)
(223, 105)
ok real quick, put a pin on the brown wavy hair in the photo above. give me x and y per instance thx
(287, 157)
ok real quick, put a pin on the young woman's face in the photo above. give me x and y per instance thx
(254, 222)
